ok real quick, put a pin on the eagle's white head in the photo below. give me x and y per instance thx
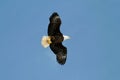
(66, 37)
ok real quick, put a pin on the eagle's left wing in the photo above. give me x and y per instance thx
(60, 51)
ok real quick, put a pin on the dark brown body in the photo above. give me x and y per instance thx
(57, 38)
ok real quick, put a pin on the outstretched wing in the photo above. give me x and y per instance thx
(54, 25)
(60, 52)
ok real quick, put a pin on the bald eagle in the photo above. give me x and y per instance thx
(55, 39)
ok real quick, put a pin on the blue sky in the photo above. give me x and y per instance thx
(93, 50)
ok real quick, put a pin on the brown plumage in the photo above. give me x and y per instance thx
(55, 39)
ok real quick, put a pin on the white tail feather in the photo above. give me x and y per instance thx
(45, 41)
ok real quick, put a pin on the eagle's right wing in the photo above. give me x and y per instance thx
(54, 25)
(60, 52)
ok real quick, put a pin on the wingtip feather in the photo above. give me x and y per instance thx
(61, 59)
